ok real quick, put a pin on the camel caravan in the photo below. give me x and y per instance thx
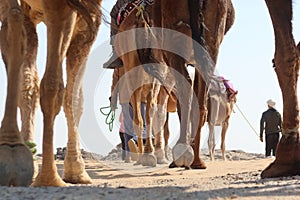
(154, 42)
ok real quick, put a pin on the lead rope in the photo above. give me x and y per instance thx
(247, 120)
(110, 116)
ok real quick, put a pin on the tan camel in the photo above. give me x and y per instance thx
(71, 29)
(287, 63)
(220, 107)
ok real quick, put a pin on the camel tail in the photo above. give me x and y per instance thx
(88, 9)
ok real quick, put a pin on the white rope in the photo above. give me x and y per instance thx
(247, 120)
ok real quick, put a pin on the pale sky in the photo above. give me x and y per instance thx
(245, 58)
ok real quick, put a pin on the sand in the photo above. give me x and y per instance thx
(237, 178)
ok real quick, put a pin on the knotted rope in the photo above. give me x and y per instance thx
(110, 116)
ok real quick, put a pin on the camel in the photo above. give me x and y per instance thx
(139, 82)
(161, 16)
(287, 63)
(220, 106)
(207, 23)
(71, 29)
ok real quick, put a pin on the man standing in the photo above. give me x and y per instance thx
(270, 122)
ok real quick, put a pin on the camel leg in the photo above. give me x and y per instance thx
(74, 168)
(138, 122)
(198, 119)
(213, 117)
(183, 154)
(16, 163)
(223, 134)
(161, 123)
(166, 136)
(29, 88)
(287, 65)
(60, 21)
(148, 158)
(211, 140)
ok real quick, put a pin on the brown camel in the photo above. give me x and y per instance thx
(131, 33)
(71, 29)
(216, 18)
(140, 83)
(287, 63)
(206, 23)
(163, 16)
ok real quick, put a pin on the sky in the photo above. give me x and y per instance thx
(244, 58)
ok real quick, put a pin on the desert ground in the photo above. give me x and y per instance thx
(236, 178)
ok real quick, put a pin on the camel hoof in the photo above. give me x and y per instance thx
(183, 155)
(167, 149)
(160, 156)
(162, 161)
(16, 165)
(173, 165)
(287, 162)
(280, 170)
(200, 164)
(82, 178)
(138, 162)
(74, 170)
(148, 159)
(43, 179)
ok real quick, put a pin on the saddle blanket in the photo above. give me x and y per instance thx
(219, 84)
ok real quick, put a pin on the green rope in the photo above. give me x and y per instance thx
(110, 116)
(32, 148)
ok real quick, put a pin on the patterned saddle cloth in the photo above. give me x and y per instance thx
(127, 8)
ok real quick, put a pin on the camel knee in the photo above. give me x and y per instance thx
(51, 95)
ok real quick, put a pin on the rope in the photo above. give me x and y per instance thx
(110, 116)
(247, 120)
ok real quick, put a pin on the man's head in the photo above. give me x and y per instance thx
(271, 103)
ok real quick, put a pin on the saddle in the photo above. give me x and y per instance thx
(220, 85)
(127, 8)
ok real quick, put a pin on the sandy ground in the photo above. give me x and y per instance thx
(114, 179)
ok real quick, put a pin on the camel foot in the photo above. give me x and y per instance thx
(167, 148)
(162, 161)
(173, 165)
(48, 179)
(74, 170)
(139, 160)
(183, 155)
(198, 164)
(160, 156)
(16, 165)
(287, 161)
(148, 159)
(82, 178)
